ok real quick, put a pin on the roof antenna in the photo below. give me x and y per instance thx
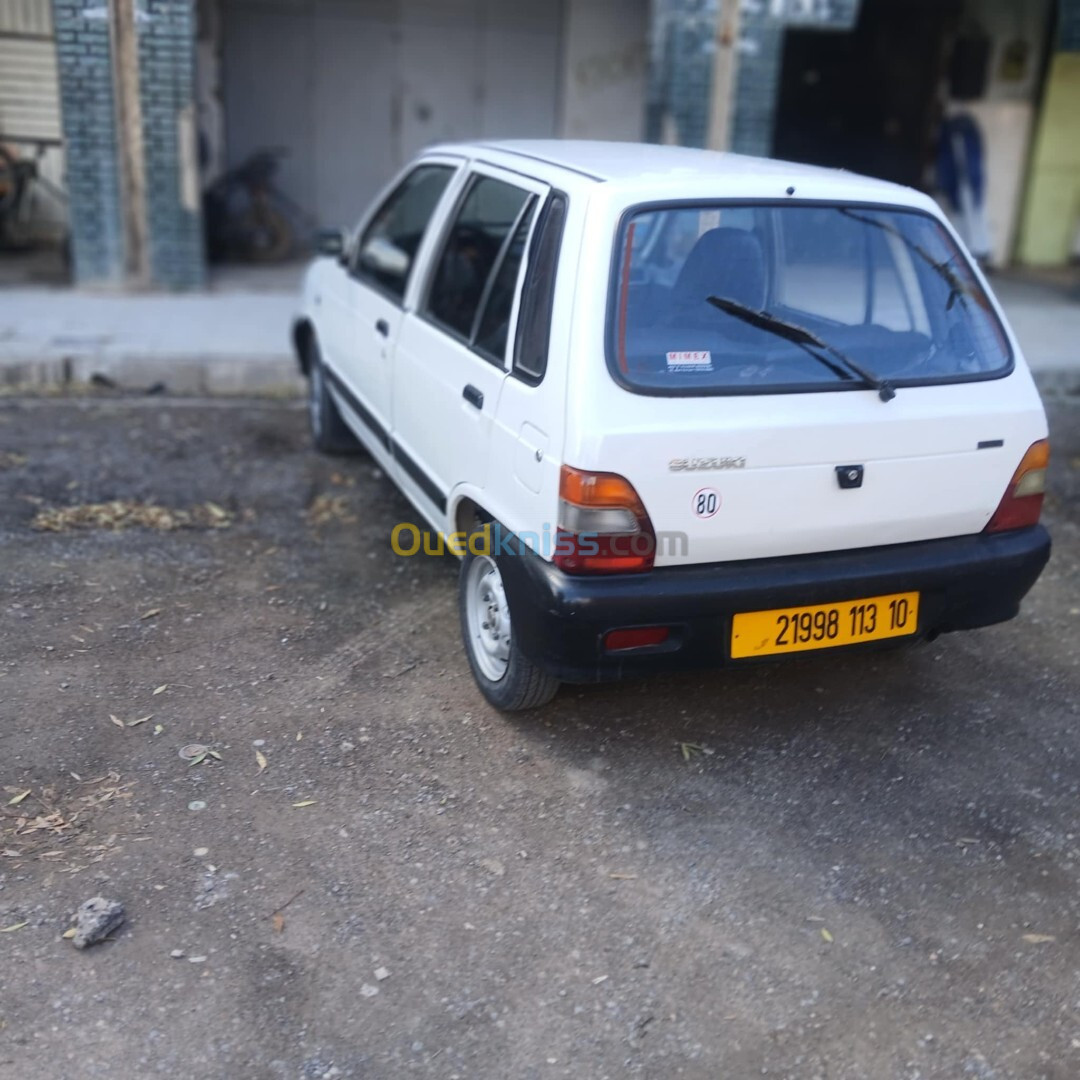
(791, 190)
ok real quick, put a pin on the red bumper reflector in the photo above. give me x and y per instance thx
(637, 637)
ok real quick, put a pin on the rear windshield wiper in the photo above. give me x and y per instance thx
(799, 335)
(958, 289)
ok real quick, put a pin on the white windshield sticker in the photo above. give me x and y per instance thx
(694, 360)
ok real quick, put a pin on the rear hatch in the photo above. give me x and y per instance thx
(792, 378)
(752, 478)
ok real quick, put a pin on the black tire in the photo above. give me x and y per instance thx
(522, 685)
(329, 433)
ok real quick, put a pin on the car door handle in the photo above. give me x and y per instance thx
(382, 328)
(473, 396)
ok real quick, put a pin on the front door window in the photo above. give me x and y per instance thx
(388, 246)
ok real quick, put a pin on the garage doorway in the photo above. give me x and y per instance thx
(867, 100)
(353, 88)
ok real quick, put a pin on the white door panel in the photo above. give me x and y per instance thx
(446, 394)
(443, 436)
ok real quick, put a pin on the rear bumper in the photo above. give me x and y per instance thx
(560, 620)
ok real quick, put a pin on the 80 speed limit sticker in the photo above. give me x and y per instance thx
(706, 503)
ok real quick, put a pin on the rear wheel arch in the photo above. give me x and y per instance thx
(468, 516)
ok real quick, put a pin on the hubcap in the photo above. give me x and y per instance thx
(315, 393)
(488, 618)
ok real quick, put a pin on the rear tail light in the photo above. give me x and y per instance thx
(603, 526)
(1021, 505)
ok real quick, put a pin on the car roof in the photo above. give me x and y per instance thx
(642, 168)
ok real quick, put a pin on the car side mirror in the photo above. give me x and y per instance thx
(331, 243)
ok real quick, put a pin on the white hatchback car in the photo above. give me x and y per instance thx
(679, 408)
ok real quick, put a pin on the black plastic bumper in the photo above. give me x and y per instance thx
(560, 620)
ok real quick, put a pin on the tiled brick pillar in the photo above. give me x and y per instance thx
(761, 49)
(683, 49)
(167, 96)
(166, 59)
(89, 118)
(680, 82)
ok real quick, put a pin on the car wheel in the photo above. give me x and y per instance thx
(506, 678)
(329, 433)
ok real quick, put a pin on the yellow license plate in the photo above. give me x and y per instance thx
(824, 626)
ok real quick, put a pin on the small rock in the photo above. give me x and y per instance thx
(201, 852)
(196, 959)
(346, 746)
(493, 866)
(177, 954)
(95, 920)
(198, 804)
(381, 974)
(367, 990)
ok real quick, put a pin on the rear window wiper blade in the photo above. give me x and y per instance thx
(799, 335)
(958, 289)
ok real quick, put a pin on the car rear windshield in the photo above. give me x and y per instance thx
(727, 299)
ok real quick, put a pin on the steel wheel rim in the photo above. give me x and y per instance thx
(488, 618)
(315, 393)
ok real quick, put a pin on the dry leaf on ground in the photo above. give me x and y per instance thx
(325, 509)
(128, 514)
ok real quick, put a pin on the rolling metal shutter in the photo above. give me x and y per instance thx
(30, 89)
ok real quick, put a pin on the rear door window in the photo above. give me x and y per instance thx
(476, 273)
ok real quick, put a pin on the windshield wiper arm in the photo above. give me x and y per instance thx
(799, 335)
(958, 289)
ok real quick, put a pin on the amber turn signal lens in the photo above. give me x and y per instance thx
(598, 489)
(603, 525)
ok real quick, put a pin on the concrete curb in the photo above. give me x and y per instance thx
(179, 374)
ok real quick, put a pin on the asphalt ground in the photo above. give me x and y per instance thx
(837, 866)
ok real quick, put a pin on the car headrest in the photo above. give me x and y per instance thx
(724, 262)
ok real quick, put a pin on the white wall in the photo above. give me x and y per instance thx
(1006, 114)
(605, 65)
